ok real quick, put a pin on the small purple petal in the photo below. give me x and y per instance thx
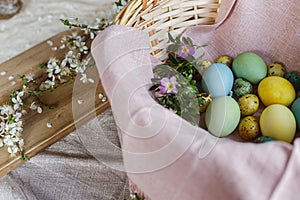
(173, 80)
(164, 81)
(191, 50)
(175, 91)
(162, 89)
(185, 50)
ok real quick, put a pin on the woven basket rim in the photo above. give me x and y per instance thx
(164, 16)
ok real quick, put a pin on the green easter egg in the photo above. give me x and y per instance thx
(249, 66)
(294, 78)
(296, 111)
(222, 116)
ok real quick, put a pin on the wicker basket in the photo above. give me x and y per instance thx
(159, 18)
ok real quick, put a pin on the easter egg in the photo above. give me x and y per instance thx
(248, 104)
(217, 80)
(296, 111)
(248, 128)
(203, 66)
(225, 60)
(242, 87)
(249, 66)
(204, 100)
(276, 69)
(276, 90)
(263, 139)
(294, 78)
(278, 122)
(222, 116)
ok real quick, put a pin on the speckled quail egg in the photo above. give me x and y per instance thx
(242, 87)
(276, 69)
(203, 66)
(249, 128)
(248, 104)
(204, 100)
(225, 60)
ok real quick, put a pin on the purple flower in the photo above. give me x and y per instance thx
(185, 50)
(168, 86)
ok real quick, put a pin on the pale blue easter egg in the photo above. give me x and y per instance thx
(217, 80)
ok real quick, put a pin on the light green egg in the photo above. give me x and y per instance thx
(249, 66)
(222, 116)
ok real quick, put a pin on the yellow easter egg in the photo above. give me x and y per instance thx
(276, 90)
(278, 122)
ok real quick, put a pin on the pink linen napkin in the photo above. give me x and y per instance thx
(167, 157)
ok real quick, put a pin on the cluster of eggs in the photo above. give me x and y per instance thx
(252, 83)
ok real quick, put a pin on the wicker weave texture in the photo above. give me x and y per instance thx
(165, 16)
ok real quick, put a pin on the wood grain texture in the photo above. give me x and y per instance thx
(66, 116)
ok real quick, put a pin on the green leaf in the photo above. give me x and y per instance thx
(51, 107)
(172, 59)
(36, 93)
(171, 37)
(190, 42)
(24, 157)
(155, 80)
(173, 48)
(185, 41)
(65, 22)
(178, 40)
(119, 3)
(22, 77)
(84, 26)
(153, 87)
(42, 65)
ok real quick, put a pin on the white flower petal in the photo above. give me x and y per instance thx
(8, 141)
(14, 100)
(3, 73)
(9, 150)
(33, 106)
(50, 43)
(16, 107)
(21, 142)
(39, 110)
(91, 80)
(15, 149)
(49, 124)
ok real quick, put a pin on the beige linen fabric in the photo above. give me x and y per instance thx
(66, 170)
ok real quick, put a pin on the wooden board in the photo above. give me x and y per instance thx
(36, 134)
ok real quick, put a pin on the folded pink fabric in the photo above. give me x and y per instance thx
(166, 156)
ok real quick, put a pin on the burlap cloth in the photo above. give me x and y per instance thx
(66, 170)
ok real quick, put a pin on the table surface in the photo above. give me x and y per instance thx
(66, 170)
